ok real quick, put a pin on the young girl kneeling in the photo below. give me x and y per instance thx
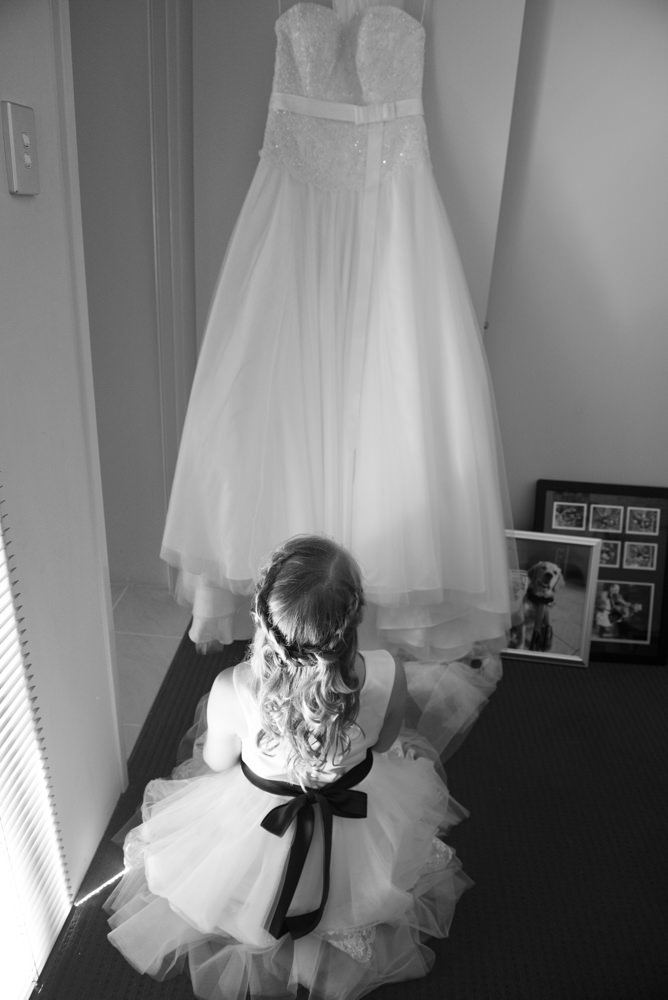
(305, 848)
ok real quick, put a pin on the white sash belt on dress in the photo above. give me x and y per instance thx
(373, 117)
(358, 114)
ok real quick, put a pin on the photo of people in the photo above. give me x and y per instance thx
(604, 518)
(569, 516)
(623, 611)
(610, 553)
(640, 555)
(643, 520)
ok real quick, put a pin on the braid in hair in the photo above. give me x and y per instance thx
(273, 638)
(308, 604)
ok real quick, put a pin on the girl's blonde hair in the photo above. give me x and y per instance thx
(307, 606)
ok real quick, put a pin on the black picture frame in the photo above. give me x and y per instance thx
(630, 619)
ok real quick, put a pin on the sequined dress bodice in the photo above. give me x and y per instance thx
(372, 60)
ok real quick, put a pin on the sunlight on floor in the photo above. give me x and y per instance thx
(148, 628)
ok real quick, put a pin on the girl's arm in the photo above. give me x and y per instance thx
(394, 715)
(222, 747)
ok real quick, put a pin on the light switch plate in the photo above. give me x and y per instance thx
(18, 130)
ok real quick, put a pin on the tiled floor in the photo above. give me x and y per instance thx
(148, 627)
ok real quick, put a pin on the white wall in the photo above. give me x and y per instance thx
(233, 62)
(471, 61)
(578, 342)
(48, 449)
(133, 95)
(111, 76)
(472, 52)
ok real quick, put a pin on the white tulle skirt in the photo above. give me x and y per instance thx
(386, 442)
(203, 875)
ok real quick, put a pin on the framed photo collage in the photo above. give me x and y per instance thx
(628, 623)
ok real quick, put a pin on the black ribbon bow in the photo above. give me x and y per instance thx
(334, 799)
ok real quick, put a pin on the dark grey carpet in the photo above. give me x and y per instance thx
(565, 775)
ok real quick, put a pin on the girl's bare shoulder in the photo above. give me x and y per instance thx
(224, 708)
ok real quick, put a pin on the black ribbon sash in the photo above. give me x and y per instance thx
(334, 799)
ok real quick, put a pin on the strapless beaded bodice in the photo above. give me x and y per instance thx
(372, 63)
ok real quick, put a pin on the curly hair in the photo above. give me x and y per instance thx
(307, 606)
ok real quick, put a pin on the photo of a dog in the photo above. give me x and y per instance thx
(540, 593)
(552, 587)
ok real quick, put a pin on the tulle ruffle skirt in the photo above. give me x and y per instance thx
(379, 432)
(203, 875)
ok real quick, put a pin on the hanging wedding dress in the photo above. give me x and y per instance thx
(342, 386)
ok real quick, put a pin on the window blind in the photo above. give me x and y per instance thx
(35, 891)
